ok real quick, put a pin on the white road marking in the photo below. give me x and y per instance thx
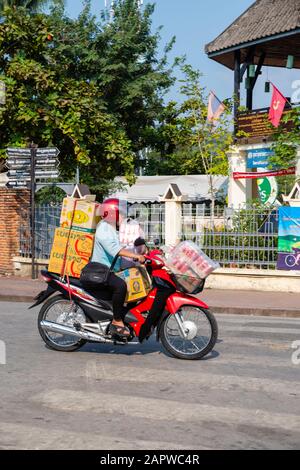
(116, 372)
(163, 410)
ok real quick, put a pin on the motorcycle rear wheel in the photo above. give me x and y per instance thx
(201, 328)
(59, 306)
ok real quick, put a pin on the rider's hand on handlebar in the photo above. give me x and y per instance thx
(140, 258)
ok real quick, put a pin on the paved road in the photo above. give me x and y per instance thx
(245, 395)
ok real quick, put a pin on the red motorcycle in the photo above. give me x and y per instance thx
(68, 320)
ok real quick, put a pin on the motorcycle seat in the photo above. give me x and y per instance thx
(73, 280)
(105, 303)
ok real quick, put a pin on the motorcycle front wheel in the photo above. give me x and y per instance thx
(192, 335)
(60, 310)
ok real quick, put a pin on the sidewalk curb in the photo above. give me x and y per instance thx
(19, 298)
(255, 312)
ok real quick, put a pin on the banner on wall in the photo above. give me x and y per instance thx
(289, 239)
(265, 174)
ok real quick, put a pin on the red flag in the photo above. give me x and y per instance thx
(277, 106)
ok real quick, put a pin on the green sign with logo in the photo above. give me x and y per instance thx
(268, 190)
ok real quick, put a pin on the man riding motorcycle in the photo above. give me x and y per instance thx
(107, 247)
(72, 314)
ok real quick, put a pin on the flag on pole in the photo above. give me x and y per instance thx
(215, 108)
(277, 106)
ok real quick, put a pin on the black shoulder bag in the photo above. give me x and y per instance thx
(94, 274)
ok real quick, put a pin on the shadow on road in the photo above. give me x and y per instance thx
(149, 347)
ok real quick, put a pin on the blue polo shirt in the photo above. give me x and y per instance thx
(107, 245)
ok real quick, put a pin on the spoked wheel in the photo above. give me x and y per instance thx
(190, 334)
(290, 261)
(62, 311)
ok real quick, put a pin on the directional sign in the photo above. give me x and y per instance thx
(18, 152)
(47, 152)
(40, 152)
(17, 184)
(46, 168)
(46, 161)
(47, 175)
(22, 161)
(20, 165)
(18, 162)
(18, 173)
(24, 180)
(26, 167)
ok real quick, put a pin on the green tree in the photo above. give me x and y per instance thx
(50, 107)
(133, 78)
(32, 5)
(121, 57)
(94, 89)
(286, 141)
(185, 141)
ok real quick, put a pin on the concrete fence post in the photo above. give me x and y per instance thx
(173, 222)
(239, 191)
(173, 199)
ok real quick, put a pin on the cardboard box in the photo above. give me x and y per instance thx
(86, 216)
(78, 254)
(138, 283)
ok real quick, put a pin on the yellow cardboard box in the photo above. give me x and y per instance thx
(80, 248)
(138, 283)
(85, 218)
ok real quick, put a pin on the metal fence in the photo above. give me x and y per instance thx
(47, 218)
(245, 238)
(152, 220)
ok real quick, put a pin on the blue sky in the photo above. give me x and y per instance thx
(195, 23)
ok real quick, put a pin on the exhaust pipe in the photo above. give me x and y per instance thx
(68, 330)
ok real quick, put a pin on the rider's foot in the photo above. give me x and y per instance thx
(119, 329)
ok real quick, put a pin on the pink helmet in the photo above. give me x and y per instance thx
(111, 209)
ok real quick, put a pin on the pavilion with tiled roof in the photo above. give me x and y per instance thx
(266, 34)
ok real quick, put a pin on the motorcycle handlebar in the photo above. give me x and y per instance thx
(147, 261)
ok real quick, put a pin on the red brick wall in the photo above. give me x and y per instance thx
(14, 208)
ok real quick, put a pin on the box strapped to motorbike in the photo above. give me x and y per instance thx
(138, 283)
(73, 245)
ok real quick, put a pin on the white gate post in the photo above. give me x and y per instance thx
(239, 191)
(173, 199)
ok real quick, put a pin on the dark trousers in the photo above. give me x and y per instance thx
(164, 291)
(116, 291)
